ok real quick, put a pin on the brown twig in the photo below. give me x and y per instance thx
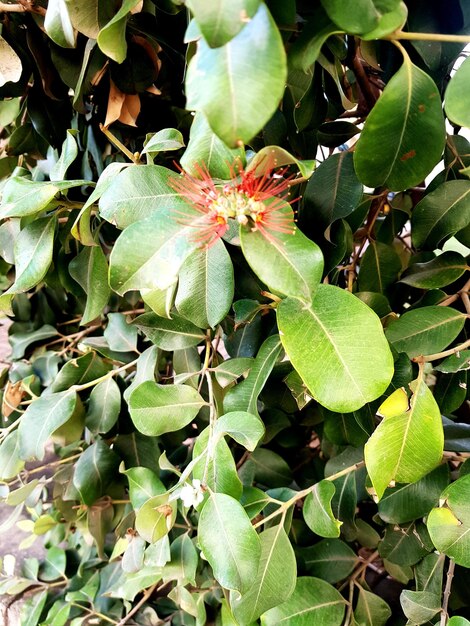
(147, 593)
(447, 590)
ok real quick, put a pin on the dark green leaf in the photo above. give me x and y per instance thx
(90, 270)
(439, 272)
(176, 333)
(223, 19)
(317, 510)
(94, 470)
(329, 559)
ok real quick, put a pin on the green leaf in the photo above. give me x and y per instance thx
(244, 396)
(317, 510)
(11, 463)
(104, 407)
(232, 369)
(53, 566)
(20, 341)
(78, 371)
(329, 559)
(334, 190)
(245, 428)
(22, 197)
(449, 525)
(120, 335)
(33, 254)
(408, 125)
(441, 213)
(158, 409)
(58, 25)
(112, 37)
(269, 468)
(289, 263)
(138, 192)
(439, 272)
(405, 503)
(44, 416)
(380, 267)
(229, 542)
(370, 609)
(94, 470)
(149, 254)
(455, 96)
(146, 364)
(216, 469)
(388, 23)
(69, 147)
(218, 83)
(458, 621)
(455, 363)
(90, 270)
(275, 581)
(222, 20)
(405, 545)
(427, 330)
(155, 518)
(420, 606)
(32, 608)
(163, 141)
(205, 147)
(143, 484)
(176, 333)
(205, 287)
(408, 443)
(361, 18)
(313, 603)
(347, 371)
(183, 561)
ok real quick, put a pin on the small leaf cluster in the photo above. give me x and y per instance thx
(234, 243)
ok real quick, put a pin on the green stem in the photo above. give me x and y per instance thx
(410, 36)
(302, 494)
(441, 355)
(110, 374)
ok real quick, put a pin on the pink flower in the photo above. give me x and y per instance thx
(254, 201)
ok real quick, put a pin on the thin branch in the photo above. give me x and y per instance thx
(447, 590)
(110, 374)
(139, 604)
(24, 7)
(119, 145)
(411, 36)
(441, 355)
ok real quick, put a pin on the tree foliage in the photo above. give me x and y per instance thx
(238, 388)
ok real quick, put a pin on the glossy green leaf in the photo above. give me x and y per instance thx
(427, 330)
(20, 341)
(78, 371)
(450, 391)
(371, 609)
(137, 192)
(104, 407)
(112, 37)
(388, 23)
(58, 25)
(441, 213)
(455, 363)
(380, 267)
(146, 364)
(333, 190)
(449, 525)
(155, 518)
(232, 369)
(206, 284)
(229, 542)
(216, 469)
(420, 606)
(32, 608)
(361, 18)
(245, 428)
(455, 96)
(313, 603)
(176, 333)
(269, 468)
(244, 396)
(237, 117)
(54, 564)
(143, 484)
(405, 545)
(149, 254)
(33, 254)
(163, 141)
(183, 561)
(222, 20)
(317, 510)
(22, 197)
(347, 371)
(275, 156)
(275, 581)
(289, 263)
(69, 147)
(205, 147)
(94, 470)
(44, 416)
(407, 444)
(405, 503)
(158, 409)
(408, 124)
(120, 335)
(458, 621)
(329, 559)
(439, 272)
(90, 269)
